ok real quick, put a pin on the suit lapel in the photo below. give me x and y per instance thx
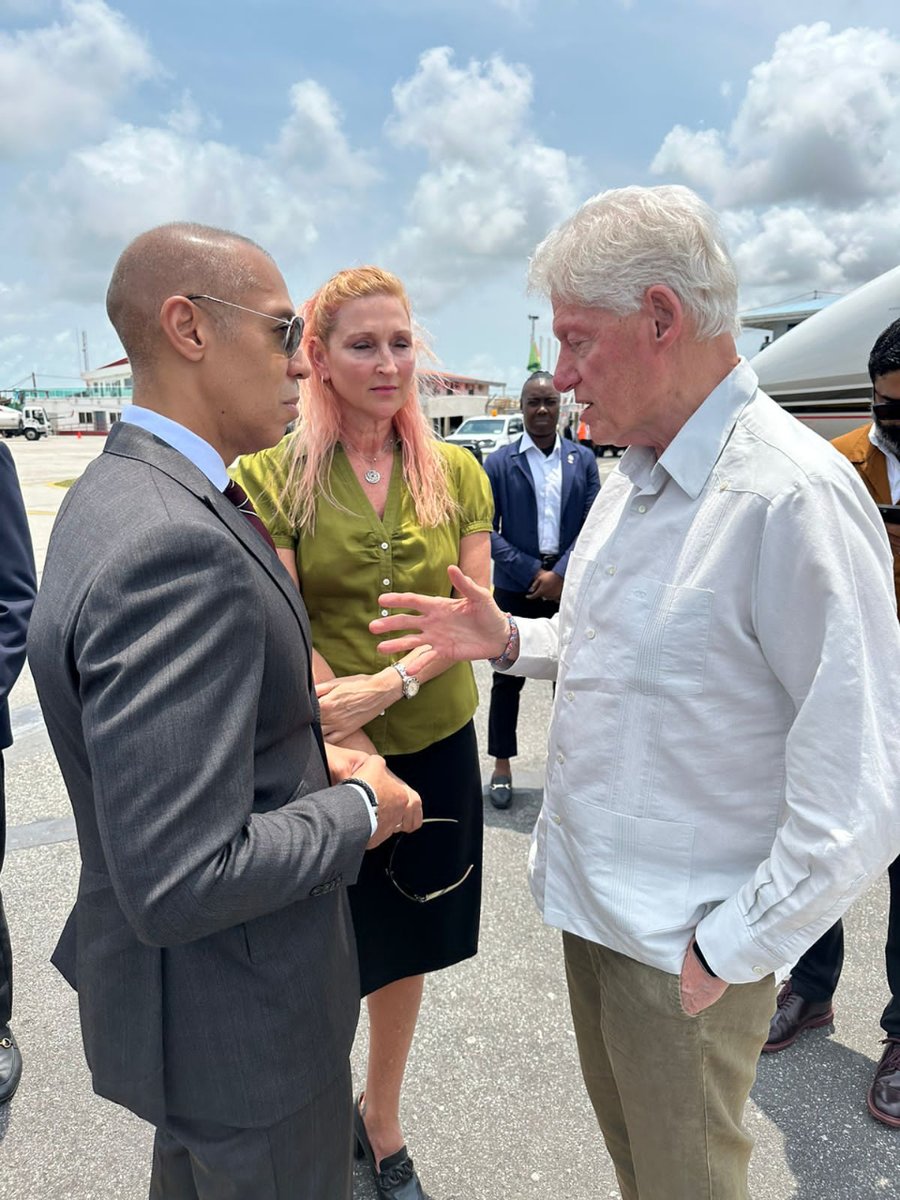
(873, 468)
(129, 441)
(521, 461)
(567, 461)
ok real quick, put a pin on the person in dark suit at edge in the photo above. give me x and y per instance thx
(210, 942)
(543, 490)
(17, 587)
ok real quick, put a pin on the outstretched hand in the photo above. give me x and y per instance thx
(463, 627)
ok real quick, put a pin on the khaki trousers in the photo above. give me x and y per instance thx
(668, 1089)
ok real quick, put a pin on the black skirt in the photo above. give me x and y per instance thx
(398, 935)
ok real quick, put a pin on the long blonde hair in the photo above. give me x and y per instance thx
(319, 426)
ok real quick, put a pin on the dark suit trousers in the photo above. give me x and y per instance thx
(5, 951)
(505, 689)
(816, 975)
(307, 1156)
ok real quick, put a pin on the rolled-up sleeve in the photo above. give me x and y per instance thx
(825, 618)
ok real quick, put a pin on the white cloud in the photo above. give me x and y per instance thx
(808, 171)
(103, 194)
(820, 119)
(62, 80)
(313, 144)
(140, 177)
(492, 189)
(186, 119)
(786, 250)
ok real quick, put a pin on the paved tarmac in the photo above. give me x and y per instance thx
(494, 1107)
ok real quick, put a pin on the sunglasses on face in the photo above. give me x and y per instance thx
(293, 329)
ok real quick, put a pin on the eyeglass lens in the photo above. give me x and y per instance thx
(293, 336)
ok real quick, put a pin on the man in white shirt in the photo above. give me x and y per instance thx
(543, 490)
(728, 606)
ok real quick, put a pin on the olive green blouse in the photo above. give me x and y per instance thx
(353, 557)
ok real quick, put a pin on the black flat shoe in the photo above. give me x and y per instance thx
(397, 1178)
(10, 1064)
(500, 791)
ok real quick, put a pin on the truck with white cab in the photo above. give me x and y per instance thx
(29, 422)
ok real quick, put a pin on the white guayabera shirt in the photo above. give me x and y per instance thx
(723, 751)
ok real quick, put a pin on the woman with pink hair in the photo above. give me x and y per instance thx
(362, 499)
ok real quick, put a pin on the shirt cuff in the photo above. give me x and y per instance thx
(729, 949)
(373, 819)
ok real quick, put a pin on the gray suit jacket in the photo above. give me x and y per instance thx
(210, 943)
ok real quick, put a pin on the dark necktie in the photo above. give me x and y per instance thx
(241, 501)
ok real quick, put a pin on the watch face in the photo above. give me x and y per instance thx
(410, 687)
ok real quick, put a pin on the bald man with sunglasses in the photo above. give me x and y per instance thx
(210, 943)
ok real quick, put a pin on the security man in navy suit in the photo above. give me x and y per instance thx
(17, 588)
(543, 490)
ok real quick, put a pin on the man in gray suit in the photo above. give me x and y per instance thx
(210, 943)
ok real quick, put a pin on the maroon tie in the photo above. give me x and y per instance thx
(241, 501)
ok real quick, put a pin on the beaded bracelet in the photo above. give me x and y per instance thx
(511, 649)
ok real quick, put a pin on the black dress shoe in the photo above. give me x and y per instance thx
(500, 791)
(884, 1094)
(395, 1176)
(792, 1016)
(10, 1064)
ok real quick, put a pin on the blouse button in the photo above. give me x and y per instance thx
(590, 634)
(384, 612)
(385, 546)
(386, 582)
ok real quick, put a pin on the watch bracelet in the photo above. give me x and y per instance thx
(510, 650)
(367, 788)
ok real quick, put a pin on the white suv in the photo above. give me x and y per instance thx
(488, 433)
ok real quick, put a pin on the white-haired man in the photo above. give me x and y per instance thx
(728, 605)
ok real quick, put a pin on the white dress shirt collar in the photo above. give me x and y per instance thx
(696, 448)
(185, 441)
(525, 443)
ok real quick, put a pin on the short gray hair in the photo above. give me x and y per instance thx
(621, 242)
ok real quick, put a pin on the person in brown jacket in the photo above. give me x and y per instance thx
(804, 1001)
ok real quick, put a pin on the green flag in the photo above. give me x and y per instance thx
(534, 358)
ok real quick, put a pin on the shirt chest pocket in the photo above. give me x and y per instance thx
(651, 637)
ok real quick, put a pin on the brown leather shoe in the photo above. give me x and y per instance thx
(792, 1016)
(884, 1094)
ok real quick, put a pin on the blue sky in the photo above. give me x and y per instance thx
(440, 139)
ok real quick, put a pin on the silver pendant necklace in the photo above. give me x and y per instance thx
(372, 476)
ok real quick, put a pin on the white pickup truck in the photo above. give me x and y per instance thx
(29, 422)
(488, 433)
